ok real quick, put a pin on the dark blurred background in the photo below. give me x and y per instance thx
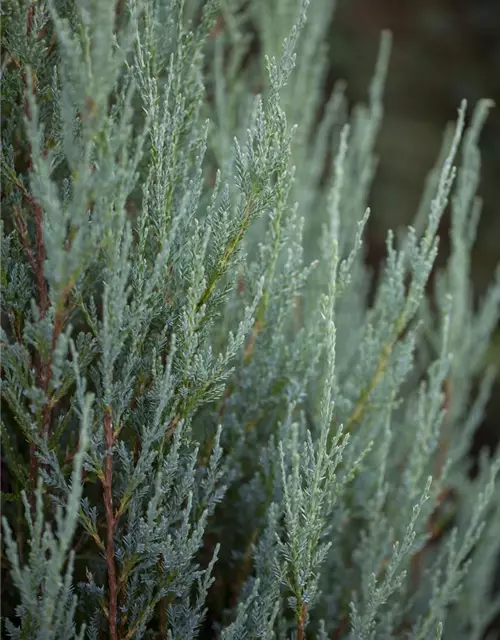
(443, 51)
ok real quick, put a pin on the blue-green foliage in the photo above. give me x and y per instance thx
(208, 427)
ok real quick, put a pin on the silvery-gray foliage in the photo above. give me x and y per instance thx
(209, 428)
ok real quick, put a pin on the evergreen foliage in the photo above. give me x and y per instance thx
(216, 420)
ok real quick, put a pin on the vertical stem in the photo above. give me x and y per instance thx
(110, 524)
(301, 622)
(37, 264)
(163, 618)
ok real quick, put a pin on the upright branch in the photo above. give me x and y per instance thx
(107, 483)
(301, 621)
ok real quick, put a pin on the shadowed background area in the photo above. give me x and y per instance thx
(443, 51)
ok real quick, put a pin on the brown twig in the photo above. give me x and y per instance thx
(37, 264)
(171, 427)
(119, 9)
(163, 618)
(217, 29)
(342, 627)
(29, 21)
(110, 524)
(301, 622)
(23, 234)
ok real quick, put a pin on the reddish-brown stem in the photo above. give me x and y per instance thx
(37, 264)
(43, 293)
(301, 622)
(29, 21)
(217, 29)
(33, 474)
(137, 448)
(342, 627)
(43, 296)
(59, 323)
(17, 329)
(163, 618)
(52, 45)
(120, 5)
(110, 524)
(23, 234)
(171, 427)
(69, 457)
